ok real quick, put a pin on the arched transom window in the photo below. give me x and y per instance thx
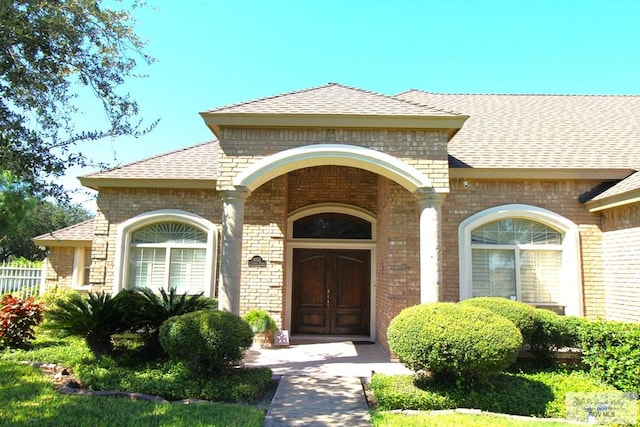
(332, 226)
(518, 259)
(167, 255)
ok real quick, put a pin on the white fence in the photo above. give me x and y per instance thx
(21, 281)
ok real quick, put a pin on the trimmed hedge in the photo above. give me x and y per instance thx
(454, 341)
(612, 351)
(524, 316)
(543, 331)
(548, 335)
(207, 341)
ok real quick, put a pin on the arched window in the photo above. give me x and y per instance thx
(168, 255)
(167, 249)
(518, 259)
(522, 253)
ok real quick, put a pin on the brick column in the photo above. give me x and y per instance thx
(430, 244)
(233, 202)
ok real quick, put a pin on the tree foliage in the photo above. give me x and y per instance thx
(24, 215)
(49, 51)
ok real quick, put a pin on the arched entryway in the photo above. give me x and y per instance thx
(331, 253)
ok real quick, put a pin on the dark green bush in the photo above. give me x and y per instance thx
(207, 341)
(573, 326)
(95, 318)
(521, 314)
(549, 335)
(454, 341)
(612, 351)
(155, 308)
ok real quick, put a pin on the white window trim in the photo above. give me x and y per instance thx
(126, 229)
(79, 261)
(571, 276)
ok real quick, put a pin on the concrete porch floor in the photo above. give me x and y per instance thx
(308, 357)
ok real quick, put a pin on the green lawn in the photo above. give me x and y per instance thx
(538, 394)
(29, 399)
(386, 419)
(28, 396)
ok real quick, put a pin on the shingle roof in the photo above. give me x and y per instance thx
(81, 232)
(631, 183)
(332, 99)
(197, 162)
(541, 131)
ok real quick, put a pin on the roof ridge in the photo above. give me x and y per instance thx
(330, 84)
(421, 104)
(150, 158)
(568, 95)
(265, 98)
(414, 103)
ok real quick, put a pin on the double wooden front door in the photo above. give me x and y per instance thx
(331, 291)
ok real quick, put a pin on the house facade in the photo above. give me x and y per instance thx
(333, 208)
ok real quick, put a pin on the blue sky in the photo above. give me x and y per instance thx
(214, 53)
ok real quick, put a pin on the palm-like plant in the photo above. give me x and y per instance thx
(96, 318)
(155, 308)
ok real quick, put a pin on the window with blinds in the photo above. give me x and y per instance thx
(517, 259)
(168, 255)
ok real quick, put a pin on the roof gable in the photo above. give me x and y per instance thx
(332, 105)
(332, 99)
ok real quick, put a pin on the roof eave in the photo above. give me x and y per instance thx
(53, 242)
(217, 120)
(186, 184)
(541, 173)
(614, 201)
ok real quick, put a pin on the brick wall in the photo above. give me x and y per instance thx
(560, 197)
(398, 255)
(424, 150)
(621, 251)
(332, 184)
(263, 235)
(59, 268)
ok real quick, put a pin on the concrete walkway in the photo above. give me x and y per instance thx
(320, 383)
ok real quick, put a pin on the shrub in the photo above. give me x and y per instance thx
(54, 295)
(612, 350)
(521, 314)
(539, 394)
(207, 341)
(454, 341)
(155, 308)
(549, 335)
(573, 326)
(17, 320)
(95, 318)
(260, 321)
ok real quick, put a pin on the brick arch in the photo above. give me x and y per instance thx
(332, 154)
